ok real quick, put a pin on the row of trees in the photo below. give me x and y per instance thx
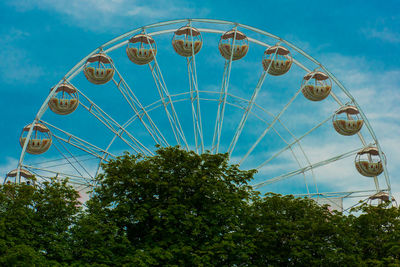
(178, 208)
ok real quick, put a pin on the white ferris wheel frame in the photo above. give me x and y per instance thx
(141, 111)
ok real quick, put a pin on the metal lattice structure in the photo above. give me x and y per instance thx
(199, 116)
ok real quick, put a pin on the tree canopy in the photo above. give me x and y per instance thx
(178, 208)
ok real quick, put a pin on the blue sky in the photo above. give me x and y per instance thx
(357, 41)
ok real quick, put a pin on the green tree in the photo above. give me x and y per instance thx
(377, 231)
(175, 208)
(35, 222)
(289, 231)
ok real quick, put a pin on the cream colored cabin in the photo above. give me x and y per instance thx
(40, 139)
(187, 41)
(347, 121)
(233, 44)
(368, 163)
(316, 86)
(98, 69)
(65, 100)
(141, 49)
(277, 60)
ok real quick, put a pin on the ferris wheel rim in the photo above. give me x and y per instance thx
(77, 68)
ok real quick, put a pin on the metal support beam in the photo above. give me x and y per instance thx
(307, 168)
(138, 109)
(223, 95)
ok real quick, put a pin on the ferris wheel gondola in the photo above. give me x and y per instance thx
(233, 44)
(277, 60)
(98, 69)
(141, 49)
(187, 41)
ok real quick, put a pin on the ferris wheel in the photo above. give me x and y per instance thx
(209, 86)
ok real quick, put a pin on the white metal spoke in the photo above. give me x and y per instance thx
(75, 159)
(163, 92)
(361, 193)
(218, 117)
(195, 103)
(78, 142)
(307, 168)
(297, 140)
(65, 157)
(246, 113)
(113, 126)
(195, 97)
(149, 108)
(298, 163)
(249, 107)
(223, 95)
(44, 177)
(289, 146)
(137, 107)
(173, 121)
(73, 177)
(59, 160)
(283, 139)
(302, 150)
(272, 124)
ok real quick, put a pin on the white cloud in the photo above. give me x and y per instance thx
(103, 15)
(9, 165)
(384, 34)
(17, 65)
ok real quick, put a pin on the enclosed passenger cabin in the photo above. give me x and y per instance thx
(141, 49)
(187, 41)
(65, 100)
(39, 141)
(316, 86)
(382, 197)
(29, 177)
(347, 120)
(235, 39)
(98, 69)
(368, 162)
(277, 60)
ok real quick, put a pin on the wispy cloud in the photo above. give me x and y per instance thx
(17, 65)
(9, 165)
(384, 34)
(105, 15)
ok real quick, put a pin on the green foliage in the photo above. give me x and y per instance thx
(178, 208)
(297, 232)
(34, 222)
(173, 208)
(377, 232)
